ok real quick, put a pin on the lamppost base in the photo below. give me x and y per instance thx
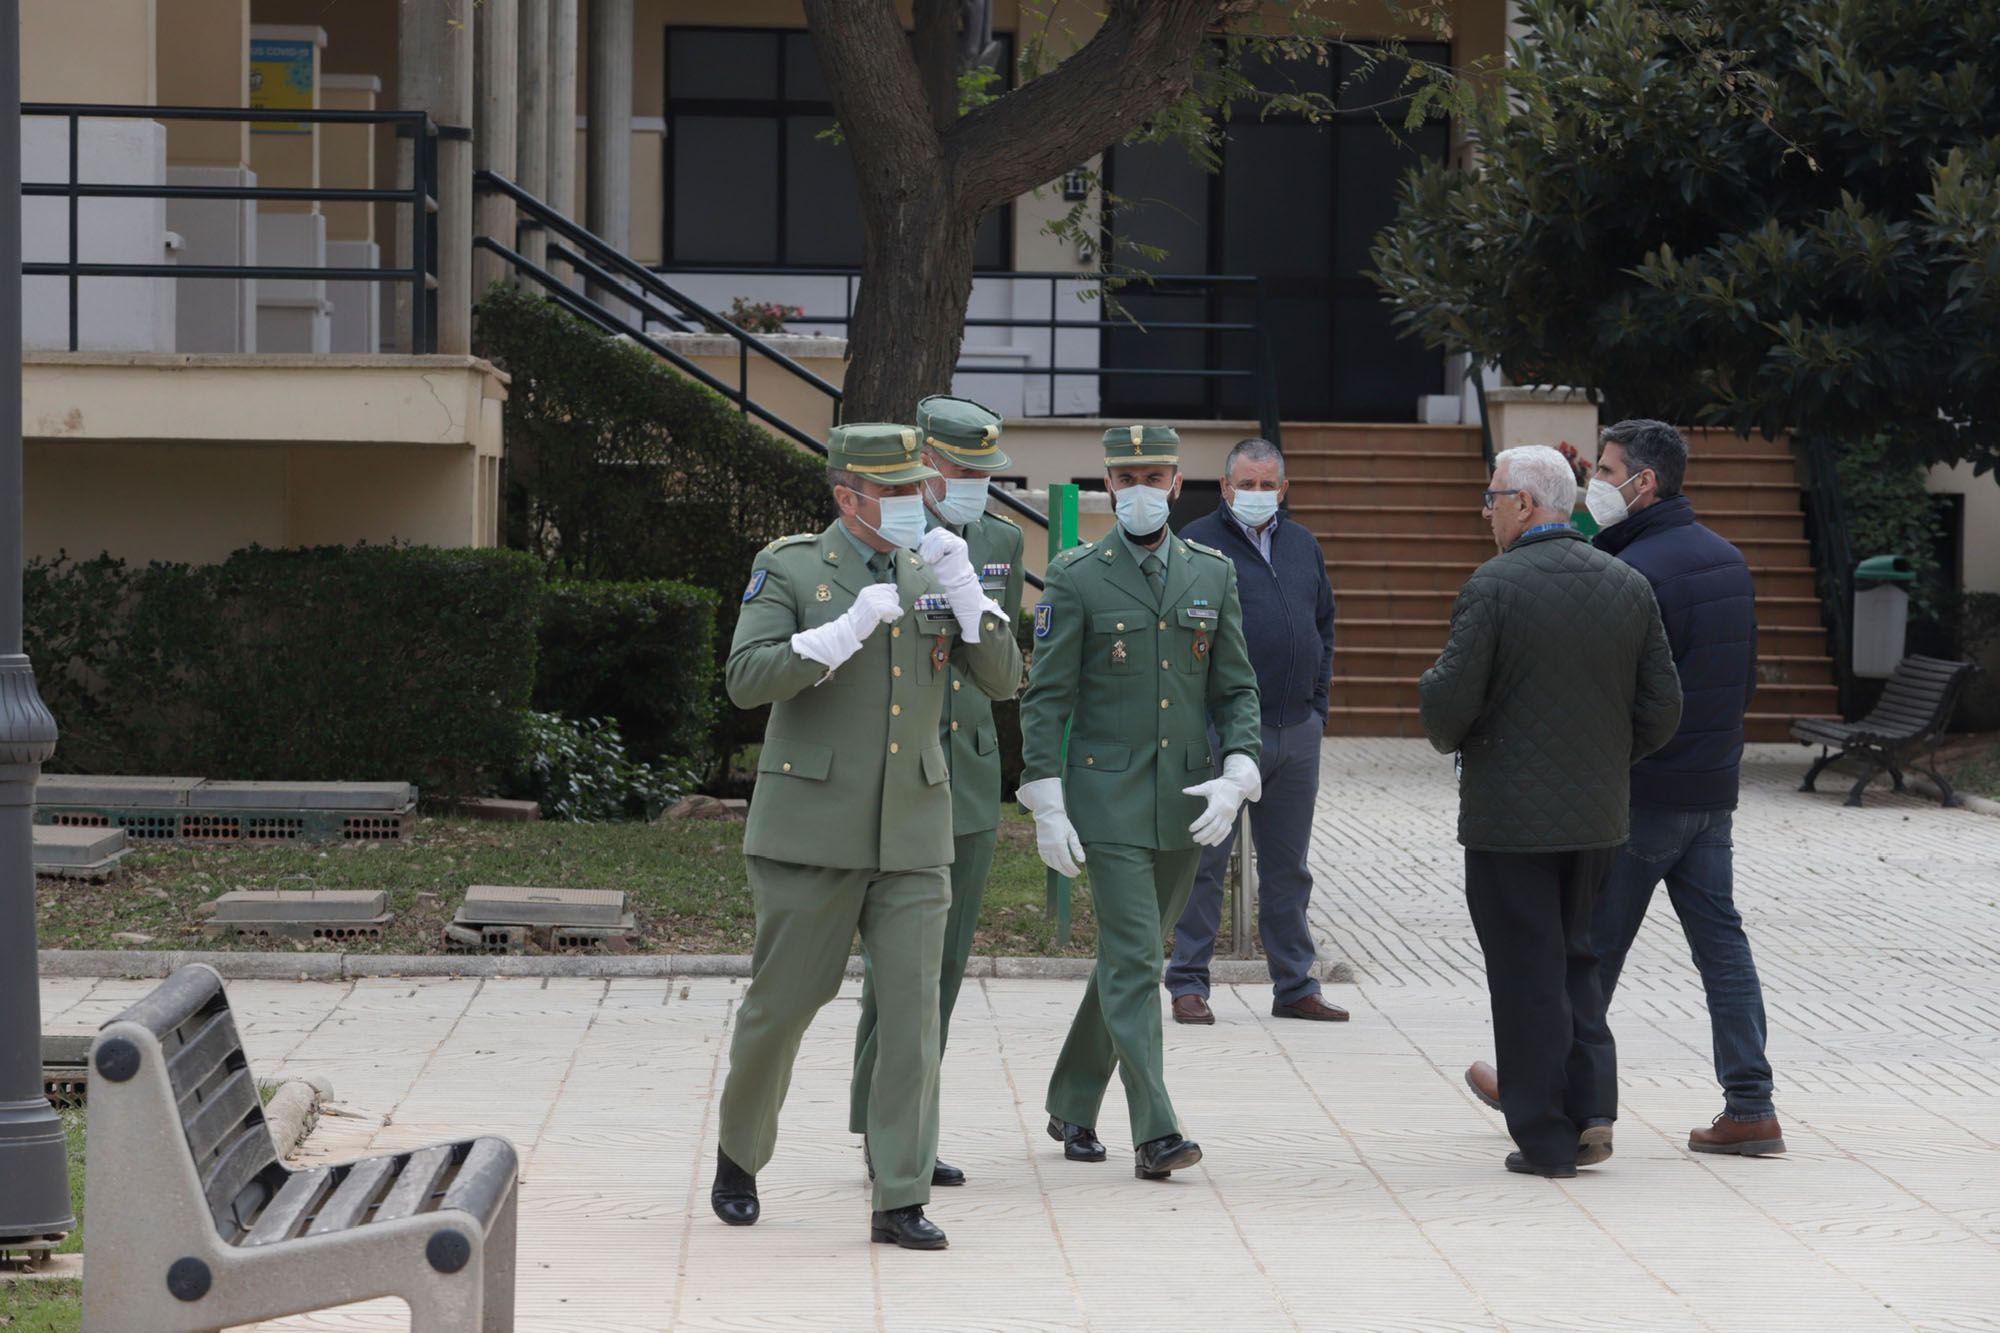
(34, 1161)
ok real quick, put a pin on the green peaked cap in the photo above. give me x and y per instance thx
(1141, 444)
(878, 451)
(966, 432)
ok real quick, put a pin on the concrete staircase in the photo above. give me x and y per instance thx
(1396, 509)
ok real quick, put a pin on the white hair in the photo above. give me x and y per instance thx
(1544, 474)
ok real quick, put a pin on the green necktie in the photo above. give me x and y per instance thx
(883, 565)
(1152, 566)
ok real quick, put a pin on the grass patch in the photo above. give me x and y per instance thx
(683, 879)
(1973, 764)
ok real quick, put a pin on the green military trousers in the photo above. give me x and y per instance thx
(972, 862)
(1137, 893)
(806, 919)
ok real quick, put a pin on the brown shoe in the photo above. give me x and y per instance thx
(1310, 1007)
(1192, 1008)
(1744, 1138)
(1484, 1080)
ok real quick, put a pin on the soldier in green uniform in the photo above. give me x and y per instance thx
(962, 443)
(1139, 649)
(851, 636)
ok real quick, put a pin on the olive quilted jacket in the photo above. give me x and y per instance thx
(1556, 680)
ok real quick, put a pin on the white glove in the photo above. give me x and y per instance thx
(1240, 782)
(945, 552)
(837, 640)
(1055, 836)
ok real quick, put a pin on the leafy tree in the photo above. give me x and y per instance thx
(937, 144)
(1763, 214)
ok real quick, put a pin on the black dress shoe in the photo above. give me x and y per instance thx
(1080, 1142)
(907, 1227)
(1159, 1158)
(1522, 1166)
(1593, 1144)
(734, 1194)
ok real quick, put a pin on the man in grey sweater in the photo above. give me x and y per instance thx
(1556, 679)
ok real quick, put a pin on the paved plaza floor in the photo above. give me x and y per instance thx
(1350, 1182)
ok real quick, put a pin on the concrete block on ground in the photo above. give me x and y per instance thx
(498, 809)
(516, 905)
(302, 796)
(293, 905)
(59, 847)
(132, 792)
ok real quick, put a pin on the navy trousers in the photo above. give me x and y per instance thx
(1281, 826)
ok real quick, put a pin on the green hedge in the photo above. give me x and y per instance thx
(360, 664)
(640, 653)
(619, 468)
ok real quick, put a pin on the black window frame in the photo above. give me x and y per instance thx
(1338, 285)
(777, 109)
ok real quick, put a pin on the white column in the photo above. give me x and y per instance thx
(434, 74)
(531, 146)
(562, 107)
(608, 170)
(494, 130)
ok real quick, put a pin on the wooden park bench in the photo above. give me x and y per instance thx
(1902, 731)
(195, 1224)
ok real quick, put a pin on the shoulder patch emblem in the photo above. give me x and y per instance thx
(794, 538)
(1205, 550)
(1045, 619)
(1076, 553)
(757, 578)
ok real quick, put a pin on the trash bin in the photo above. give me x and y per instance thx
(1881, 614)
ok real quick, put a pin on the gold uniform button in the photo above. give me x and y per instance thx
(958, 685)
(788, 768)
(1163, 624)
(1163, 703)
(895, 748)
(1163, 745)
(895, 631)
(895, 710)
(1121, 624)
(1166, 665)
(954, 726)
(895, 671)
(1089, 759)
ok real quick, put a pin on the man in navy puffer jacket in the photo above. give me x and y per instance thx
(1684, 796)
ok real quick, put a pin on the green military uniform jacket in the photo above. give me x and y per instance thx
(852, 774)
(1139, 681)
(966, 729)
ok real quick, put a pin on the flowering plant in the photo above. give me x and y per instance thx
(761, 316)
(1577, 462)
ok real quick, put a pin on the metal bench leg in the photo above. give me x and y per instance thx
(1826, 757)
(497, 1274)
(1874, 769)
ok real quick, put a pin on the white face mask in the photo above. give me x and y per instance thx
(1606, 502)
(964, 499)
(902, 521)
(1142, 510)
(1253, 509)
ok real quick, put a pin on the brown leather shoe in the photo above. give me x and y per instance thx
(1484, 1080)
(1744, 1138)
(1192, 1008)
(1310, 1007)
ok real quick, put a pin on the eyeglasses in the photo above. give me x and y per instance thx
(1487, 498)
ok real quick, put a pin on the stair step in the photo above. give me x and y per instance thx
(1346, 466)
(1395, 520)
(1711, 442)
(1730, 470)
(1711, 497)
(1386, 437)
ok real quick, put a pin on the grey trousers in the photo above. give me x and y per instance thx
(1281, 825)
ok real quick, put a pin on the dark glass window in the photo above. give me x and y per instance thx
(1296, 205)
(749, 181)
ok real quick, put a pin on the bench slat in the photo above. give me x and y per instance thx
(349, 1203)
(214, 1119)
(483, 1182)
(413, 1189)
(244, 1157)
(299, 1197)
(175, 1000)
(203, 1053)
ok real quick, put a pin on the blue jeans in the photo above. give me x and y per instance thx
(1691, 850)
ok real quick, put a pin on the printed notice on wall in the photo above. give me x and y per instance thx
(281, 79)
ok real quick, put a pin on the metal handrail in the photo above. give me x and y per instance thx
(1263, 375)
(655, 299)
(421, 273)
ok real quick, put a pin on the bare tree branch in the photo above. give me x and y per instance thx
(1139, 61)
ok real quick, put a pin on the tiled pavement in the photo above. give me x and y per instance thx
(1351, 1183)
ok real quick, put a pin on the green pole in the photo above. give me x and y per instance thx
(1062, 536)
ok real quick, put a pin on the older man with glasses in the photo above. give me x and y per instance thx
(1556, 678)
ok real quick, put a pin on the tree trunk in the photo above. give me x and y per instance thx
(909, 316)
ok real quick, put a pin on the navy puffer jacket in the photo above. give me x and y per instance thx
(1709, 605)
